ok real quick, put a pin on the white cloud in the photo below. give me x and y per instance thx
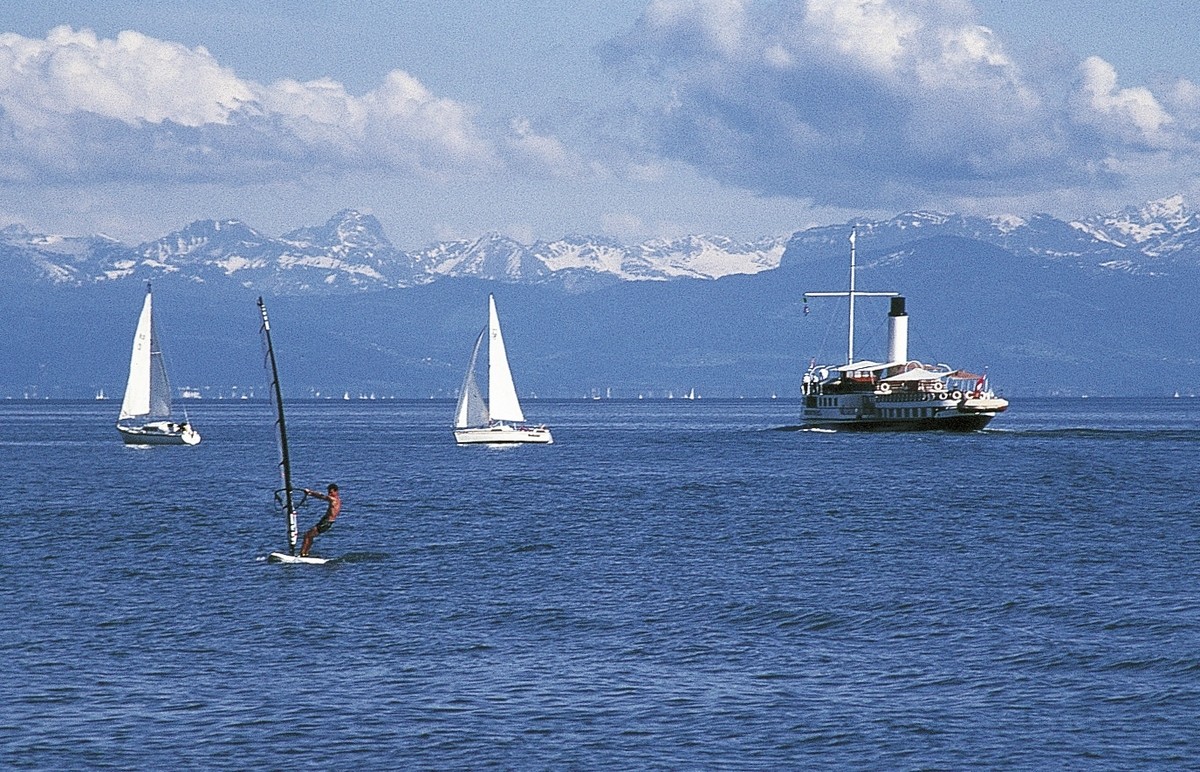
(886, 103)
(80, 108)
(870, 33)
(1132, 113)
(541, 154)
(133, 79)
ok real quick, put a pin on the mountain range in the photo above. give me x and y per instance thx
(352, 252)
(1101, 305)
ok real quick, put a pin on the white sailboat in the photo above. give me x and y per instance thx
(146, 409)
(285, 496)
(499, 420)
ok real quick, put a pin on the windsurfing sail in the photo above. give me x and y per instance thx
(471, 410)
(147, 393)
(285, 462)
(502, 392)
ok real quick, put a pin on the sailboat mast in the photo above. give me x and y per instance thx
(285, 461)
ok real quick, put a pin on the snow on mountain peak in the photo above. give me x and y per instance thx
(1007, 223)
(920, 219)
(1155, 228)
(1171, 208)
(351, 250)
(349, 229)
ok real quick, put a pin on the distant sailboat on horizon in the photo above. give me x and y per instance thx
(145, 417)
(499, 419)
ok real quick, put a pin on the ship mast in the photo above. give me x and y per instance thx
(851, 295)
(850, 337)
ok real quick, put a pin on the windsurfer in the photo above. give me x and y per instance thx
(326, 521)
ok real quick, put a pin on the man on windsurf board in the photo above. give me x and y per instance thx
(326, 521)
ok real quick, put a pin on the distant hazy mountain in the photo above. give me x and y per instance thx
(351, 251)
(1160, 237)
(1099, 306)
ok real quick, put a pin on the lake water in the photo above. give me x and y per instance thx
(671, 585)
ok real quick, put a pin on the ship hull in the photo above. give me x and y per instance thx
(965, 422)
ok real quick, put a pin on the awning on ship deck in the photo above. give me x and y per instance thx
(916, 374)
(865, 366)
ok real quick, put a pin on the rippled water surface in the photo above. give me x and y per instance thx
(671, 585)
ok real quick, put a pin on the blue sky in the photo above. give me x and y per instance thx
(626, 118)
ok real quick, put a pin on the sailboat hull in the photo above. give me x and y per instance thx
(158, 433)
(503, 434)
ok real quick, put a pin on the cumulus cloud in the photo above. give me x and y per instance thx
(881, 102)
(1132, 114)
(541, 155)
(74, 107)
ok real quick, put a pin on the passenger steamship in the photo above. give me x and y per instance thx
(898, 394)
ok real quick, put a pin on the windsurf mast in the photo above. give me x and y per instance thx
(285, 462)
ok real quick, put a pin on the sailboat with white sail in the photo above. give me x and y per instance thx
(498, 420)
(285, 496)
(146, 409)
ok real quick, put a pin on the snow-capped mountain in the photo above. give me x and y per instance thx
(1159, 237)
(1099, 305)
(56, 259)
(351, 252)
(1162, 230)
(493, 257)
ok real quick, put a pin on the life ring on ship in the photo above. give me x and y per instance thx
(885, 388)
(941, 395)
(956, 395)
